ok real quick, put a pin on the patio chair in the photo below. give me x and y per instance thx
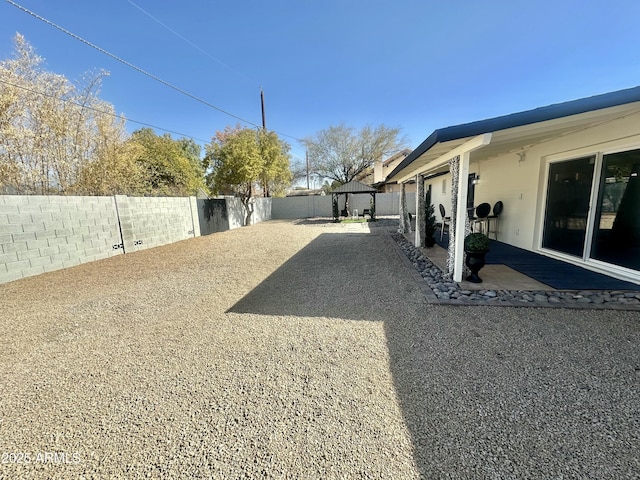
(481, 219)
(497, 210)
(445, 221)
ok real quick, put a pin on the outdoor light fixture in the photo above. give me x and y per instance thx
(476, 180)
(522, 155)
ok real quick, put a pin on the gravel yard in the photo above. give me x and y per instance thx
(303, 350)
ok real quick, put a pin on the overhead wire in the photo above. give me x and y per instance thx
(129, 64)
(140, 70)
(182, 37)
(201, 50)
(104, 112)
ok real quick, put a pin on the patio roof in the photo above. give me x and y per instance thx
(354, 187)
(515, 132)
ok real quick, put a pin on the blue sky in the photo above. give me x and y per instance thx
(413, 64)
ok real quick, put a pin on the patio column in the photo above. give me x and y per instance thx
(461, 218)
(402, 228)
(420, 214)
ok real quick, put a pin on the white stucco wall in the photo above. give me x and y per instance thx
(521, 185)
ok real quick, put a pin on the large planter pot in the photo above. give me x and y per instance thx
(475, 261)
(430, 241)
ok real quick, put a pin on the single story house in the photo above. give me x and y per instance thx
(567, 175)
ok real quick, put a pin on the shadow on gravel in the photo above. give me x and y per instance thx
(342, 275)
(314, 221)
(498, 392)
(485, 392)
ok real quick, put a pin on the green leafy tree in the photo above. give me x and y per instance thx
(115, 172)
(276, 173)
(233, 159)
(171, 167)
(240, 159)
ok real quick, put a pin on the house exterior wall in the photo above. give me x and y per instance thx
(440, 194)
(521, 184)
(396, 188)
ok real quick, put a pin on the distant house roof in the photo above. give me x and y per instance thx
(520, 119)
(354, 187)
(401, 153)
(303, 192)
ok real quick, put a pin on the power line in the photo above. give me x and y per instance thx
(104, 112)
(138, 69)
(201, 50)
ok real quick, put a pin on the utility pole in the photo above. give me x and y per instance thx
(264, 121)
(307, 157)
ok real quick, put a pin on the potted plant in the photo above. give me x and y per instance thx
(336, 211)
(430, 222)
(476, 245)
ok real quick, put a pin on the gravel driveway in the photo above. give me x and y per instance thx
(303, 350)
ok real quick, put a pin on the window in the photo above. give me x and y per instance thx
(607, 230)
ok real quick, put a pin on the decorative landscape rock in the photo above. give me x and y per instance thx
(450, 292)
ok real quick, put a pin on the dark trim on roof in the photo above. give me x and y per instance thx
(528, 117)
(354, 187)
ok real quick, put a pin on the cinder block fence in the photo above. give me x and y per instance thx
(40, 234)
(43, 233)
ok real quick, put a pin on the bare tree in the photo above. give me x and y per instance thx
(343, 153)
(50, 128)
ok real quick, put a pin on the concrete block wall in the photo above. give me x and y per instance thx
(235, 212)
(44, 233)
(302, 207)
(148, 222)
(320, 205)
(262, 210)
(220, 214)
(212, 213)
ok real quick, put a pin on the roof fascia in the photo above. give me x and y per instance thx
(469, 146)
(537, 115)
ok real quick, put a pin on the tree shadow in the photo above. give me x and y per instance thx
(315, 221)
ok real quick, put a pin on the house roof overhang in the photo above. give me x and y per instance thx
(515, 132)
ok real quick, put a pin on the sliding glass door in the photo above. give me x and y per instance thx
(610, 232)
(616, 235)
(567, 209)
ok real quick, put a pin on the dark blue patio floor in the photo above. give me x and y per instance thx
(555, 273)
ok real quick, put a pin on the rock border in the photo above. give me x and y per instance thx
(437, 289)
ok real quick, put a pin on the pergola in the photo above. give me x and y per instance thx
(354, 187)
